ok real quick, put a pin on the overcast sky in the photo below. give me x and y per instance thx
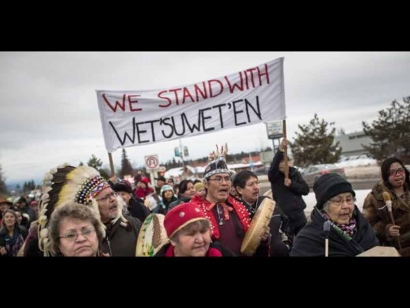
(49, 113)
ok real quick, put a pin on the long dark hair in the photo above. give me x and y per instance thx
(183, 187)
(385, 170)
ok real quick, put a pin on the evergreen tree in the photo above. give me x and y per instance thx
(81, 164)
(391, 132)
(105, 173)
(94, 162)
(126, 168)
(3, 186)
(314, 145)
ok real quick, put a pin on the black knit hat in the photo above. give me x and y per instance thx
(328, 186)
(122, 187)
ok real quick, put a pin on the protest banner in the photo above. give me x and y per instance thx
(248, 97)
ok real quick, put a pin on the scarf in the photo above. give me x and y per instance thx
(349, 228)
(212, 252)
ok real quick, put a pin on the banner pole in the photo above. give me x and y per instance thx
(285, 153)
(111, 164)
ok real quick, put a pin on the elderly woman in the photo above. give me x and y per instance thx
(189, 234)
(350, 234)
(11, 236)
(75, 231)
(395, 187)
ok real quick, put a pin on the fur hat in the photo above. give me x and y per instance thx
(328, 186)
(182, 215)
(199, 186)
(67, 184)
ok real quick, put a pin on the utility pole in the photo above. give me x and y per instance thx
(181, 153)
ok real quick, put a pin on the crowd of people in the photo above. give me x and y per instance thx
(82, 214)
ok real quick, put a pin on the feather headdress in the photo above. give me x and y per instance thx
(66, 184)
(217, 162)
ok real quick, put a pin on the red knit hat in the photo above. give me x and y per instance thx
(182, 215)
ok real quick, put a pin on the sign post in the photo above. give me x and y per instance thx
(275, 132)
(151, 164)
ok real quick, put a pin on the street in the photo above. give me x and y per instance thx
(362, 187)
(358, 184)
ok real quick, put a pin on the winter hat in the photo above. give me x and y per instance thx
(166, 187)
(182, 215)
(145, 180)
(4, 200)
(328, 186)
(123, 186)
(199, 186)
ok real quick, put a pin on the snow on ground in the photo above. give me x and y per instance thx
(311, 200)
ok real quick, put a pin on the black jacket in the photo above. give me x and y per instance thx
(289, 199)
(310, 241)
(121, 238)
(137, 208)
(278, 225)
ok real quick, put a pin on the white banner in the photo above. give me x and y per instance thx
(252, 96)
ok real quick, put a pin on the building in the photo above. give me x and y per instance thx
(352, 144)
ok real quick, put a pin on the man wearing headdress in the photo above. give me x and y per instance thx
(85, 186)
(229, 218)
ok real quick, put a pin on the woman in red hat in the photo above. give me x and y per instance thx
(143, 189)
(189, 234)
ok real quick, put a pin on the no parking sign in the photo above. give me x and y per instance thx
(151, 162)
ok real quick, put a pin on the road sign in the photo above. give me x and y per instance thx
(274, 129)
(151, 162)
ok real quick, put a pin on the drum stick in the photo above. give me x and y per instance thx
(387, 200)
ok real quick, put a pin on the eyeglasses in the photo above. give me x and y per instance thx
(341, 201)
(108, 196)
(397, 171)
(220, 179)
(72, 236)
